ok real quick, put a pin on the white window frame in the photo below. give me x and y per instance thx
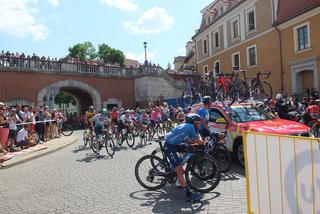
(204, 69)
(214, 64)
(253, 9)
(248, 55)
(296, 37)
(214, 39)
(203, 46)
(233, 61)
(222, 7)
(232, 29)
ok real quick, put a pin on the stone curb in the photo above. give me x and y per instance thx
(5, 165)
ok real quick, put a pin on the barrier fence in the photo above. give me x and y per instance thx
(282, 173)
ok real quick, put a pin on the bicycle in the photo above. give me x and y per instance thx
(315, 127)
(215, 146)
(259, 89)
(67, 129)
(202, 173)
(87, 136)
(225, 90)
(105, 140)
(126, 135)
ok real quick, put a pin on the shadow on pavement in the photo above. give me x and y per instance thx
(235, 173)
(171, 200)
(92, 158)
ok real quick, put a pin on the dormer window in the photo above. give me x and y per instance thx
(221, 11)
(208, 20)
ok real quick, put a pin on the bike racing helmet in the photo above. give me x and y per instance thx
(192, 118)
(206, 100)
(90, 108)
(317, 101)
(105, 112)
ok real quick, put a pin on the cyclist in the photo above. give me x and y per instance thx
(176, 141)
(180, 116)
(144, 121)
(89, 114)
(99, 122)
(155, 116)
(204, 114)
(124, 122)
(311, 113)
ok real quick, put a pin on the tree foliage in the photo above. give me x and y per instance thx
(86, 51)
(110, 55)
(83, 51)
(63, 98)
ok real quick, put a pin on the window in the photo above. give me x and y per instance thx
(235, 28)
(205, 69)
(303, 40)
(251, 20)
(215, 114)
(221, 10)
(217, 65)
(252, 55)
(216, 39)
(236, 60)
(205, 46)
(208, 20)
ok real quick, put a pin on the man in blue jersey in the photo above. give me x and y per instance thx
(204, 115)
(178, 139)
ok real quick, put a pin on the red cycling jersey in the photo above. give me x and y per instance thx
(314, 111)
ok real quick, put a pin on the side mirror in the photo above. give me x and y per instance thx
(221, 120)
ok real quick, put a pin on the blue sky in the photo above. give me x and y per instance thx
(50, 27)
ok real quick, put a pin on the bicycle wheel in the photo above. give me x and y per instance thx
(241, 91)
(120, 139)
(148, 176)
(110, 147)
(202, 174)
(130, 139)
(223, 156)
(226, 98)
(262, 91)
(67, 130)
(160, 131)
(85, 139)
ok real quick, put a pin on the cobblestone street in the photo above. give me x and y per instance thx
(74, 181)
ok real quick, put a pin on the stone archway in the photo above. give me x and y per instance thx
(54, 89)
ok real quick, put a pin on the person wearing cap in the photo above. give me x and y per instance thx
(204, 114)
(100, 120)
(311, 113)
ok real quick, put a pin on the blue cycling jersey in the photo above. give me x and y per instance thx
(179, 133)
(204, 114)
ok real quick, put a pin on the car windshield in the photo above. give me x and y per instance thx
(242, 114)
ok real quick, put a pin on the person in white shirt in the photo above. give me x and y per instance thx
(24, 140)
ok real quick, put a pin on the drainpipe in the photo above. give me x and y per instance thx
(281, 62)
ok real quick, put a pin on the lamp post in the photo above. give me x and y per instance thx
(145, 52)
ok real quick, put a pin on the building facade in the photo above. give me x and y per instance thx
(245, 34)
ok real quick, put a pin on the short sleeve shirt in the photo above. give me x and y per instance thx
(179, 133)
(204, 114)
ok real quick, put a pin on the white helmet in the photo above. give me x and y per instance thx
(279, 97)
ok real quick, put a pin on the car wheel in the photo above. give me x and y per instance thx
(240, 153)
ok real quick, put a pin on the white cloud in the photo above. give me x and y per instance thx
(54, 3)
(126, 5)
(153, 20)
(18, 19)
(140, 57)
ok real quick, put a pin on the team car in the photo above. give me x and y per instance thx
(247, 117)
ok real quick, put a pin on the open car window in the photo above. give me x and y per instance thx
(215, 114)
(242, 114)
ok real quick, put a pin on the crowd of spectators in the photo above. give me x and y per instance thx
(24, 126)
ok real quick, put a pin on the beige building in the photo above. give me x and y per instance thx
(186, 64)
(242, 33)
(299, 25)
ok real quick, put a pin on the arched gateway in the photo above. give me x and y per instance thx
(83, 92)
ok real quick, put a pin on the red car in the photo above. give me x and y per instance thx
(246, 116)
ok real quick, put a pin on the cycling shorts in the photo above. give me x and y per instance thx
(171, 152)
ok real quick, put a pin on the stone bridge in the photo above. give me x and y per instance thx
(37, 82)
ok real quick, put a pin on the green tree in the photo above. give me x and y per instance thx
(110, 55)
(83, 51)
(62, 98)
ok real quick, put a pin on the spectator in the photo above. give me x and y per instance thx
(4, 129)
(40, 125)
(24, 138)
(12, 120)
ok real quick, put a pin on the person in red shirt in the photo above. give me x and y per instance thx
(114, 116)
(312, 113)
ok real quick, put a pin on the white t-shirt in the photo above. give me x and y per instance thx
(22, 134)
(13, 122)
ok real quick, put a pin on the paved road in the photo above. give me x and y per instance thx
(74, 181)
